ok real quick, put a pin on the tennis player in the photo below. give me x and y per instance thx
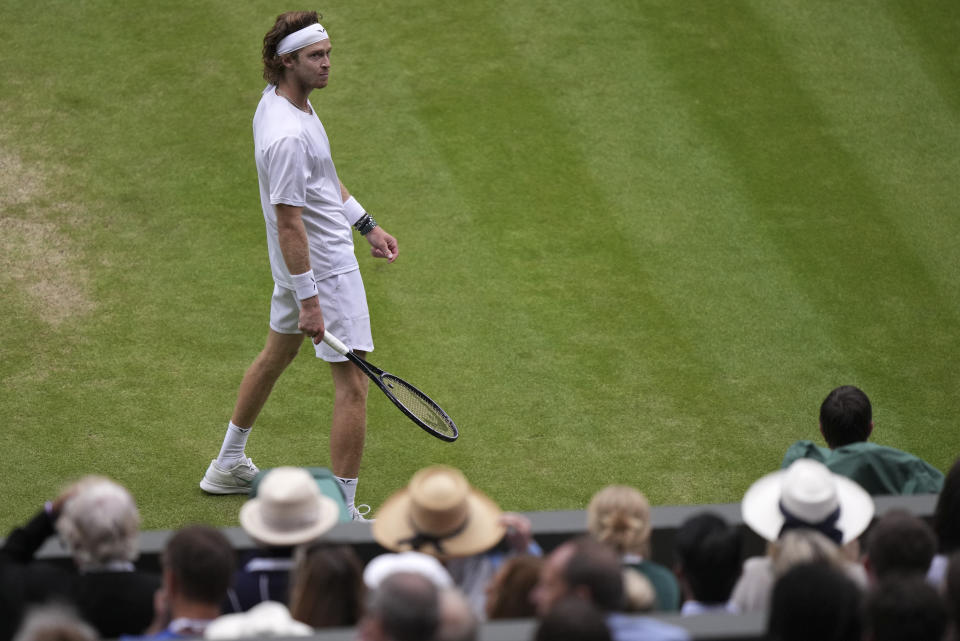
(317, 284)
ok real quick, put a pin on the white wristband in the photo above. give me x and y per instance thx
(352, 210)
(304, 284)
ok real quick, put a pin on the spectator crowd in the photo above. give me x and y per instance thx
(834, 569)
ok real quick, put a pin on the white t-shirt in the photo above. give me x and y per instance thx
(295, 168)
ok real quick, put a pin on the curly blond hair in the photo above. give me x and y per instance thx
(619, 515)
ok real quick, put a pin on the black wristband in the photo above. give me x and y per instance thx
(365, 225)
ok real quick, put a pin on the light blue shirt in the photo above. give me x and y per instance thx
(640, 628)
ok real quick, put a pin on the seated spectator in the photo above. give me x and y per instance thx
(198, 564)
(814, 602)
(327, 589)
(946, 524)
(289, 510)
(899, 544)
(54, 623)
(846, 422)
(573, 619)
(98, 521)
(440, 514)
(904, 608)
(590, 570)
(708, 563)
(806, 513)
(620, 516)
(404, 607)
(508, 592)
(951, 591)
(265, 619)
(457, 622)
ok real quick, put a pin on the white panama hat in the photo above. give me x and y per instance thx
(810, 492)
(289, 509)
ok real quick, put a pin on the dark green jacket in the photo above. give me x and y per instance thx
(877, 468)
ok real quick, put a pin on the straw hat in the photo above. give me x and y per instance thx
(289, 509)
(440, 514)
(810, 493)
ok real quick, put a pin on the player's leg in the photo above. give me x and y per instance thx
(232, 472)
(346, 316)
(260, 377)
(349, 428)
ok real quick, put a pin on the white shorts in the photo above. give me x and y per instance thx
(343, 302)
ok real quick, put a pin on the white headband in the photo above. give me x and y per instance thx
(300, 39)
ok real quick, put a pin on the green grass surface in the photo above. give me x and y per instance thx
(640, 241)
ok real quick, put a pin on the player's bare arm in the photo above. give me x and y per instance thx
(296, 254)
(382, 244)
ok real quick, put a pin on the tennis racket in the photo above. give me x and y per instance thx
(418, 407)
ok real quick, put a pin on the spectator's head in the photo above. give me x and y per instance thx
(327, 587)
(899, 543)
(708, 558)
(573, 619)
(845, 417)
(807, 495)
(946, 516)
(383, 565)
(198, 565)
(99, 522)
(404, 607)
(904, 608)
(440, 514)
(288, 510)
(804, 546)
(814, 602)
(619, 515)
(584, 568)
(54, 623)
(457, 620)
(508, 592)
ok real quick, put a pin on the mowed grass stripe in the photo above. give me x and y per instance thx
(574, 278)
(803, 173)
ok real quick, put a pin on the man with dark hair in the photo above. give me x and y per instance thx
(198, 564)
(310, 217)
(589, 570)
(814, 602)
(404, 607)
(846, 422)
(899, 544)
(708, 563)
(904, 609)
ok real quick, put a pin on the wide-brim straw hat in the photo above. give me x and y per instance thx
(289, 509)
(440, 514)
(810, 492)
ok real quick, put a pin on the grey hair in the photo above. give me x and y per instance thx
(407, 606)
(54, 623)
(100, 523)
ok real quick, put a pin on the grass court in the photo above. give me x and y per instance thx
(639, 240)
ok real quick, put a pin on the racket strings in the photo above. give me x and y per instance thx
(420, 406)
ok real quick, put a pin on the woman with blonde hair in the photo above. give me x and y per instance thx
(619, 515)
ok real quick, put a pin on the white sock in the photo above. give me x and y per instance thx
(349, 487)
(233, 443)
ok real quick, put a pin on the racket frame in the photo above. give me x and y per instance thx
(376, 375)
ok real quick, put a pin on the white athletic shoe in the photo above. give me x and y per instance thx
(236, 480)
(360, 512)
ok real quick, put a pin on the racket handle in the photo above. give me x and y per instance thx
(335, 344)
